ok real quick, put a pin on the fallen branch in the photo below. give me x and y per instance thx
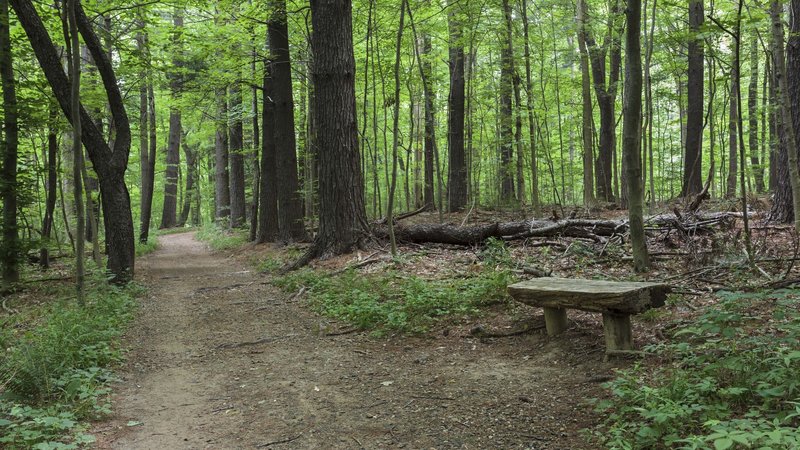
(282, 441)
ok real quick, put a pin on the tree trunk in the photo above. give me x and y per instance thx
(192, 193)
(110, 162)
(236, 155)
(169, 213)
(255, 155)
(52, 186)
(782, 207)
(586, 130)
(268, 201)
(693, 155)
(733, 139)
(342, 218)
(429, 132)
(457, 167)
(290, 199)
(505, 112)
(535, 202)
(222, 191)
(752, 117)
(10, 248)
(631, 131)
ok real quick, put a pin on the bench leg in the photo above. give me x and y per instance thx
(555, 319)
(617, 328)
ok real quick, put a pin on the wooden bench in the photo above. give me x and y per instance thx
(617, 301)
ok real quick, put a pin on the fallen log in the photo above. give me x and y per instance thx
(596, 230)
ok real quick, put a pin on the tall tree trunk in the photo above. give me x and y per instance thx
(169, 212)
(109, 161)
(505, 112)
(733, 139)
(236, 159)
(782, 202)
(222, 192)
(631, 131)
(77, 149)
(395, 129)
(146, 195)
(457, 167)
(752, 117)
(10, 248)
(342, 219)
(535, 202)
(693, 154)
(290, 199)
(429, 132)
(256, 146)
(52, 184)
(588, 116)
(191, 193)
(268, 201)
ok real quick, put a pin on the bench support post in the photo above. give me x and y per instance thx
(555, 320)
(617, 329)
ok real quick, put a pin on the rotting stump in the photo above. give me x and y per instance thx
(616, 300)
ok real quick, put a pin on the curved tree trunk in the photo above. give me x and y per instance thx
(110, 163)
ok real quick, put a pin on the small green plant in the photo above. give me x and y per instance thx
(220, 239)
(144, 248)
(496, 254)
(55, 371)
(392, 301)
(730, 383)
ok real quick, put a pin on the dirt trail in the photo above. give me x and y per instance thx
(219, 359)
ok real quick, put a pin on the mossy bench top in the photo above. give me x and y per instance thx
(621, 297)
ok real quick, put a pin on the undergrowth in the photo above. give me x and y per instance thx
(395, 301)
(731, 379)
(55, 371)
(220, 239)
(144, 248)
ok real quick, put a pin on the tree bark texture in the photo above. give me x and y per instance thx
(169, 212)
(342, 218)
(268, 191)
(693, 153)
(631, 134)
(222, 192)
(236, 155)
(457, 167)
(506, 120)
(290, 199)
(10, 248)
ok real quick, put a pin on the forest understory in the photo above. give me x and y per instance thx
(224, 359)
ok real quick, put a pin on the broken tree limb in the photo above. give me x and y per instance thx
(595, 230)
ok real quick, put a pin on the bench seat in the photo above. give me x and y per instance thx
(617, 301)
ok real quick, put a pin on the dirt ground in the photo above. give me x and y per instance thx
(220, 359)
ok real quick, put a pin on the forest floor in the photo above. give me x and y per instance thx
(218, 358)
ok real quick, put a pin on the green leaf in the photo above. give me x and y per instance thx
(723, 443)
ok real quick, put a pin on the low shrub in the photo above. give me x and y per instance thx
(391, 301)
(730, 380)
(56, 367)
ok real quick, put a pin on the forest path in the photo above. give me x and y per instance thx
(219, 359)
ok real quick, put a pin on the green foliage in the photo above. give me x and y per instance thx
(220, 239)
(392, 301)
(55, 371)
(149, 247)
(730, 383)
